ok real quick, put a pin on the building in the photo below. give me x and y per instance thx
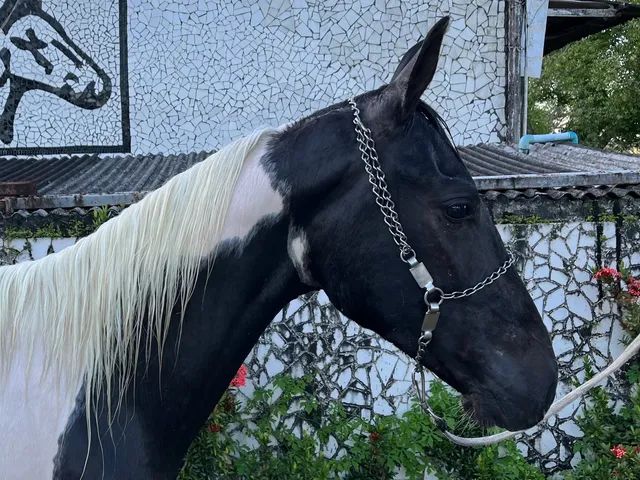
(167, 83)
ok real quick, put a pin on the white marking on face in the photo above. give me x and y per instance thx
(33, 414)
(298, 249)
(253, 199)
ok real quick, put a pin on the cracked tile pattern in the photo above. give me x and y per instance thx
(557, 265)
(205, 72)
(202, 73)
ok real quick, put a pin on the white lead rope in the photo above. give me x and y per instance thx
(576, 393)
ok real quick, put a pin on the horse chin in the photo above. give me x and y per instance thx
(473, 408)
(487, 412)
(87, 98)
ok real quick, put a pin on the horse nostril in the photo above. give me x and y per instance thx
(72, 77)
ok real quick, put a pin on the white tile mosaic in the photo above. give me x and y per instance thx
(203, 73)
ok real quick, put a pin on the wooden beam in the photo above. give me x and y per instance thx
(514, 15)
(582, 12)
(17, 189)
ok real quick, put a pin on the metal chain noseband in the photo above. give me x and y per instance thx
(467, 292)
(433, 296)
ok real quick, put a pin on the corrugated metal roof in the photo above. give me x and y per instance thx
(502, 159)
(92, 174)
(91, 180)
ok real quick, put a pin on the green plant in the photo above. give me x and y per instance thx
(79, 229)
(610, 447)
(53, 229)
(13, 233)
(100, 215)
(512, 218)
(589, 86)
(283, 431)
(48, 231)
(624, 289)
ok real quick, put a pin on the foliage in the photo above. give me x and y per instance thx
(72, 229)
(16, 233)
(610, 447)
(100, 215)
(591, 86)
(59, 229)
(514, 219)
(326, 442)
(624, 288)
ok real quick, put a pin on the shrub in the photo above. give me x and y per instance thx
(262, 439)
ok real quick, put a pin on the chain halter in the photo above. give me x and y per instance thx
(433, 296)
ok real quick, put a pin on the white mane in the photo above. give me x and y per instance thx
(86, 305)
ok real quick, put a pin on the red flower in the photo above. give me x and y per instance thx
(241, 377)
(607, 273)
(215, 427)
(374, 437)
(618, 451)
(633, 286)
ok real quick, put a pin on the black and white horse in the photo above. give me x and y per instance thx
(150, 317)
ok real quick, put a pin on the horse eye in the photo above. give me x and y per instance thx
(458, 211)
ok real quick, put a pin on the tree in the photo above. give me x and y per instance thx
(592, 87)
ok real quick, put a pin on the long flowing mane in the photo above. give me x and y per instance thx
(93, 307)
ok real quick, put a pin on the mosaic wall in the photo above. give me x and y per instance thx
(62, 82)
(369, 375)
(196, 74)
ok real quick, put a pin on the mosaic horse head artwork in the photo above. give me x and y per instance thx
(114, 351)
(37, 54)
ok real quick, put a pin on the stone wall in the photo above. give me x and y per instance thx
(555, 257)
(177, 76)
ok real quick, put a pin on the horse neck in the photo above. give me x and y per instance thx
(251, 280)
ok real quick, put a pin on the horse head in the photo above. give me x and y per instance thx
(491, 346)
(37, 54)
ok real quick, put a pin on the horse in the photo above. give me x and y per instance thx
(135, 332)
(37, 54)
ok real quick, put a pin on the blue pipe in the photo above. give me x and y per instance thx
(526, 140)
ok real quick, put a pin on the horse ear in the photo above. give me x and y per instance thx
(417, 68)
